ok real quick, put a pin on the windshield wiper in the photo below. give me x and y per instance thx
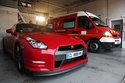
(103, 25)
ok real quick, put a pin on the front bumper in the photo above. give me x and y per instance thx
(117, 41)
(107, 42)
(50, 73)
(45, 62)
(107, 45)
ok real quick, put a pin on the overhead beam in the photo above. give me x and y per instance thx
(49, 2)
(30, 11)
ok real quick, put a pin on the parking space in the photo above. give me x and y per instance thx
(104, 67)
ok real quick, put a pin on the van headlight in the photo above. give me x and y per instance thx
(107, 34)
(36, 44)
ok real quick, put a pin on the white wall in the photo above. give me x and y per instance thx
(8, 17)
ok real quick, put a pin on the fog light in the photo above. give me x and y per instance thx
(39, 62)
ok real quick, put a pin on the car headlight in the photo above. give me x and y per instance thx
(36, 44)
(107, 34)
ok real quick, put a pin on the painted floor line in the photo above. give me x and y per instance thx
(123, 80)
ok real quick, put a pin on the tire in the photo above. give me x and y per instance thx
(94, 46)
(4, 49)
(19, 58)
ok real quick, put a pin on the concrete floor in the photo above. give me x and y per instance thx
(103, 67)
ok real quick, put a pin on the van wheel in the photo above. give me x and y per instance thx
(94, 46)
(4, 49)
(19, 58)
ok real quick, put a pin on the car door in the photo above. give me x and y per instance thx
(84, 27)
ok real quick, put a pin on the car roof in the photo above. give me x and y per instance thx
(26, 24)
(30, 24)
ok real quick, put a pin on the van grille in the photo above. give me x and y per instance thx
(60, 58)
(115, 36)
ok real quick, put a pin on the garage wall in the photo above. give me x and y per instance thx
(97, 7)
(8, 17)
(116, 8)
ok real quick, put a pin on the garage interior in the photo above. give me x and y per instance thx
(105, 66)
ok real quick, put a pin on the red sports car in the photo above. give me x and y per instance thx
(38, 50)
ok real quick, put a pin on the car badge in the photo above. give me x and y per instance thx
(72, 47)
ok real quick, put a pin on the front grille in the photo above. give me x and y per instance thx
(115, 35)
(74, 59)
(73, 47)
(58, 63)
(60, 57)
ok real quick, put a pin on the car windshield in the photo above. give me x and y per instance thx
(30, 28)
(97, 21)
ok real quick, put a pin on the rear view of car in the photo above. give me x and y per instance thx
(41, 52)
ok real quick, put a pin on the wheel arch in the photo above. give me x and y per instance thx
(16, 43)
(19, 56)
(4, 40)
(4, 46)
(92, 39)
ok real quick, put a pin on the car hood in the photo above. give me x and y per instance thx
(54, 39)
(112, 31)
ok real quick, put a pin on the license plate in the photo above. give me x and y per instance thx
(74, 54)
(117, 42)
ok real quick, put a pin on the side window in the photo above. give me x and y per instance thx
(19, 28)
(84, 22)
(69, 23)
(49, 24)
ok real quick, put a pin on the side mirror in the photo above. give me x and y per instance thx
(9, 31)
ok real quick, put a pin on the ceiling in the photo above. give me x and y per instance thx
(45, 6)
(68, 2)
(59, 3)
(54, 5)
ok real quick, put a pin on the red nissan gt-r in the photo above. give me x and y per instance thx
(38, 50)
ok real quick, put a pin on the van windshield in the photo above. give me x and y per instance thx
(97, 21)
